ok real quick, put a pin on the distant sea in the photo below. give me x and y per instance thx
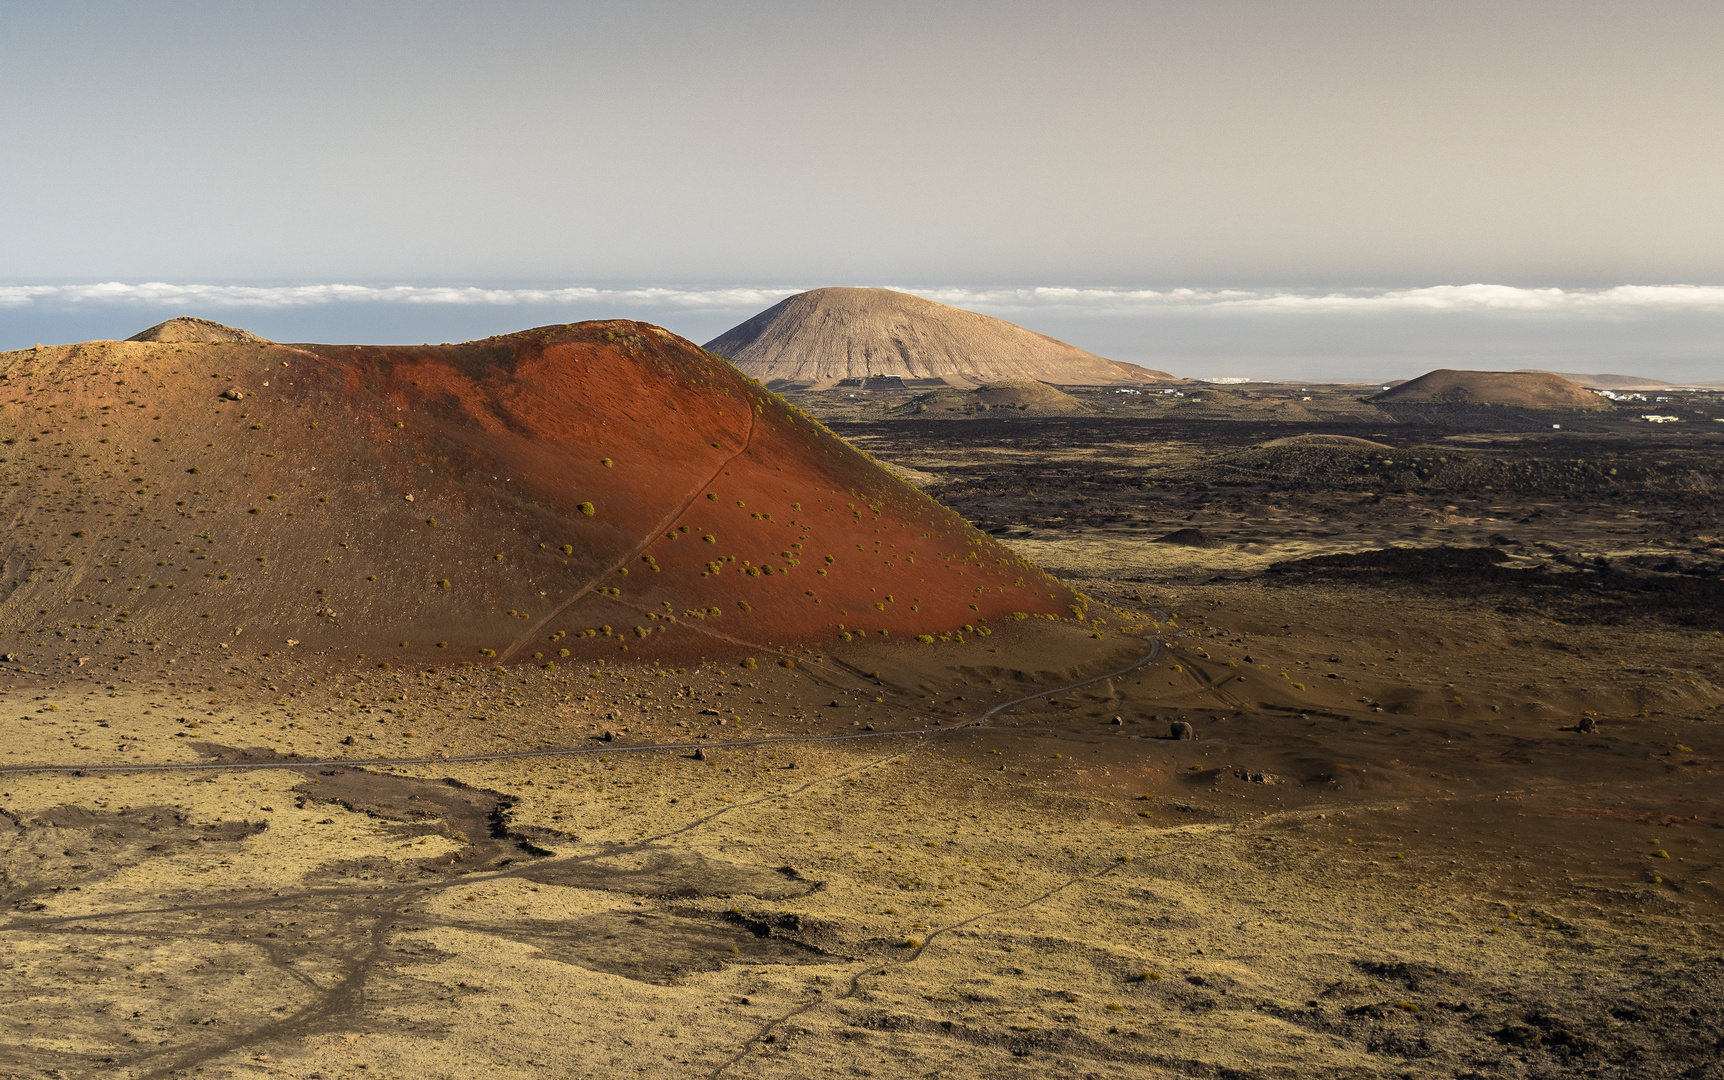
(1670, 332)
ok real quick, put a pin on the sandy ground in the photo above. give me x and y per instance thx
(1389, 849)
(1452, 884)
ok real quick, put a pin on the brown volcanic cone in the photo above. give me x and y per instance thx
(1527, 389)
(821, 336)
(597, 487)
(185, 328)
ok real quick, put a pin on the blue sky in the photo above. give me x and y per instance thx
(677, 160)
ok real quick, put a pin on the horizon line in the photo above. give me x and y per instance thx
(1477, 298)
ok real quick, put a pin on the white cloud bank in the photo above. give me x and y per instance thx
(1621, 300)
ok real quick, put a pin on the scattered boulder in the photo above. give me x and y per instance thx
(1183, 731)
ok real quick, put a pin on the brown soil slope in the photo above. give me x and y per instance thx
(600, 488)
(821, 336)
(1527, 389)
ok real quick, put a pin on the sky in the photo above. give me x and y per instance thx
(1281, 188)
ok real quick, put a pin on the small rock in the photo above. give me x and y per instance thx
(349, 741)
(1587, 724)
(699, 754)
(1256, 777)
(609, 736)
(1183, 731)
(233, 395)
(1118, 720)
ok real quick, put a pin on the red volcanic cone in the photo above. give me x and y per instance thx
(594, 488)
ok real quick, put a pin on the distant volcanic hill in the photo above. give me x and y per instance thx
(593, 488)
(185, 328)
(1011, 397)
(818, 337)
(1526, 389)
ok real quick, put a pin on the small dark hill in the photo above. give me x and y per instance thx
(1005, 398)
(1319, 460)
(186, 328)
(599, 488)
(818, 337)
(1320, 442)
(1188, 538)
(1524, 389)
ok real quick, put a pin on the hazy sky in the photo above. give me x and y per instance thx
(1280, 146)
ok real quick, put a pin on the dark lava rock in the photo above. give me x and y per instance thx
(1189, 538)
(1183, 731)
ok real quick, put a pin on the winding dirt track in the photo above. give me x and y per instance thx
(379, 908)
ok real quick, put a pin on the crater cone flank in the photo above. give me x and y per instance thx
(1527, 389)
(818, 337)
(186, 328)
(606, 488)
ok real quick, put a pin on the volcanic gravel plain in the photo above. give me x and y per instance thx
(1346, 743)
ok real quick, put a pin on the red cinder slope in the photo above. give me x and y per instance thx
(602, 488)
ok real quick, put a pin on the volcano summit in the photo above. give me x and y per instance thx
(813, 339)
